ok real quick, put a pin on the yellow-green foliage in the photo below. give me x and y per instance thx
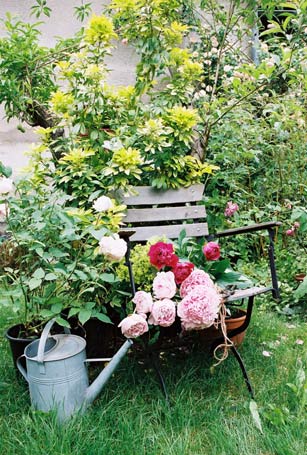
(181, 171)
(182, 118)
(125, 163)
(174, 34)
(143, 271)
(61, 102)
(100, 30)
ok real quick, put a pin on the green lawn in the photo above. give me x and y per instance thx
(209, 413)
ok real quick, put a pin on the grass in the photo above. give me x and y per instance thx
(209, 413)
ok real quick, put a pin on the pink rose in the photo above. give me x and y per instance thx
(290, 232)
(196, 278)
(133, 326)
(163, 313)
(212, 251)
(231, 208)
(199, 308)
(164, 286)
(143, 302)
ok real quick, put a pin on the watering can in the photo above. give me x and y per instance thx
(57, 372)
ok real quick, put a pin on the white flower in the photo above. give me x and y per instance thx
(4, 211)
(102, 204)
(113, 248)
(6, 185)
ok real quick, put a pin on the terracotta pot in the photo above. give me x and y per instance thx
(208, 336)
(234, 323)
(300, 277)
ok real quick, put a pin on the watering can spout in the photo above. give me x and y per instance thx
(95, 388)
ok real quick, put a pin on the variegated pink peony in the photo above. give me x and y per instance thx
(212, 251)
(163, 313)
(164, 286)
(196, 278)
(143, 302)
(134, 326)
(200, 307)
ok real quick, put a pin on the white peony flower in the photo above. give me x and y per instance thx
(6, 185)
(102, 204)
(113, 248)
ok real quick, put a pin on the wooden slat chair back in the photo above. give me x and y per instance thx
(166, 213)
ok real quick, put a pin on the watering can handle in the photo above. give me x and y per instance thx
(42, 341)
(21, 368)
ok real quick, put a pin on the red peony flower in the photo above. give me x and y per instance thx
(182, 270)
(212, 251)
(162, 254)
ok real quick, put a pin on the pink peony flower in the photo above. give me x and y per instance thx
(196, 278)
(192, 326)
(162, 254)
(164, 286)
(199, 308)
(133, 326)
(182, 270)
(212, 251)
(143, 302)
(231, 208)
(296, 225)
(163, 313)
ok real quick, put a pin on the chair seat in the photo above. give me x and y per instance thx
(239, 294)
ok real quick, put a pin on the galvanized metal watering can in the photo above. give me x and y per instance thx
(57, 372)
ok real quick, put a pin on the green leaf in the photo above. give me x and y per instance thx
(255, 415)
(103, 318)
(50, 276)
(301, 291)
(98, 234)
(73, 312)
(39, 273)
(34, 283)
(109, 277)
(56, 308)
(84, 315)
(62, 322)
(46, 314)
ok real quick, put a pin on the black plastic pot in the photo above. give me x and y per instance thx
(17, 343)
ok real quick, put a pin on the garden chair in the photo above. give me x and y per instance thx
(154, 212)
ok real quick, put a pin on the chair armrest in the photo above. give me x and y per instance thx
(247, 229)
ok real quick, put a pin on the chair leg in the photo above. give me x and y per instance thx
(156, 365)
(243, 369)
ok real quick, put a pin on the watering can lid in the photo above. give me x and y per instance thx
(65, 346)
